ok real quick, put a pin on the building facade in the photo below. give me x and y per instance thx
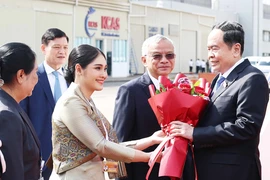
(119, 27)
(265, 44)
(187, 30)
(254, 15)
(102, 24)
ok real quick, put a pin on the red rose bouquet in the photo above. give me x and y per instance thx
(178, 101)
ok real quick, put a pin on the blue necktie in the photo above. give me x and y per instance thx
(220, 81)
(57, 88)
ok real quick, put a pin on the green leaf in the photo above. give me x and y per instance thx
(192, 92)
(197, 83)
(162, 87)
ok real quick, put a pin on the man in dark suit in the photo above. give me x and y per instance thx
(39, 106)
(133, 116)
(227, 136)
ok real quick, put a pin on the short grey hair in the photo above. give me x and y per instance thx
(153, 40)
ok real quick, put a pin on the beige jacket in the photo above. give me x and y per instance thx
(78, 132)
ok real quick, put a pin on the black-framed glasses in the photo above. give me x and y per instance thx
(158, 57)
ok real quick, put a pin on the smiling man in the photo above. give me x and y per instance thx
(227, 137)
(51, 84)
(133, 117)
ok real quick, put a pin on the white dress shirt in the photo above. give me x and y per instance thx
(51, 78)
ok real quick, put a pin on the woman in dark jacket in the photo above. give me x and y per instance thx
(21, 147)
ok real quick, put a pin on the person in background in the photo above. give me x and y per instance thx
(207, 66)
(51, 84)
(21, 147)
(82, 136)
(203, 65)
(190, 65)
(133, 116)
(198, 66)
(227, 137)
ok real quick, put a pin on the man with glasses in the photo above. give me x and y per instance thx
(133, 116)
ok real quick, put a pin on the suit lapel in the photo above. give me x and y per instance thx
(228, 82)
(223, 87)
(146, 81)
(29, 124)
(214, 82)
(14, 105)
(44, 82)
(212, 87)
(230, 79)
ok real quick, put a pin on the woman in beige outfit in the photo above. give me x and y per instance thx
(82, 137)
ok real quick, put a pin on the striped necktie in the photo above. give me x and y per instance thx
(57, 88)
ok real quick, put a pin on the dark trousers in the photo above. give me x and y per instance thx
(46, 173)
(203, 69)
(197, 69)
(189, 171)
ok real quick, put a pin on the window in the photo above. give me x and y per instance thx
(265, 54)
(204, 3)
(119, 50)
(266, 36)
(99, 44)
(266, 11)
(81, 40)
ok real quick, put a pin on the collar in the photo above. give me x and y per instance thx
(154, 80)
(227, 73)
(49, 69)
(75, 87)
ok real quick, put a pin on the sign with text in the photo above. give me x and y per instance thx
(152, 30)
(108, 25)
(90, 26)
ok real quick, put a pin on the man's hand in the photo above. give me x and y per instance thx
(184, 130)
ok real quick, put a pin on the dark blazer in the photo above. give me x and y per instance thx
(227, 137)
(134, 119)
(21, 147)
(39, 107)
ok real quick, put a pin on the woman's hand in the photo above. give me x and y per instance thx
(159, 157)
(158, 137)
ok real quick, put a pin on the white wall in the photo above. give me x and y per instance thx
(27, 20)
(190, 31)
(250, 16)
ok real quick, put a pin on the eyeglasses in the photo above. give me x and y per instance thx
(158, 57)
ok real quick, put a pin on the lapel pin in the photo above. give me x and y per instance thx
(225, 84)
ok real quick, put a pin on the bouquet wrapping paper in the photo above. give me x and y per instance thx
(176, 102)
